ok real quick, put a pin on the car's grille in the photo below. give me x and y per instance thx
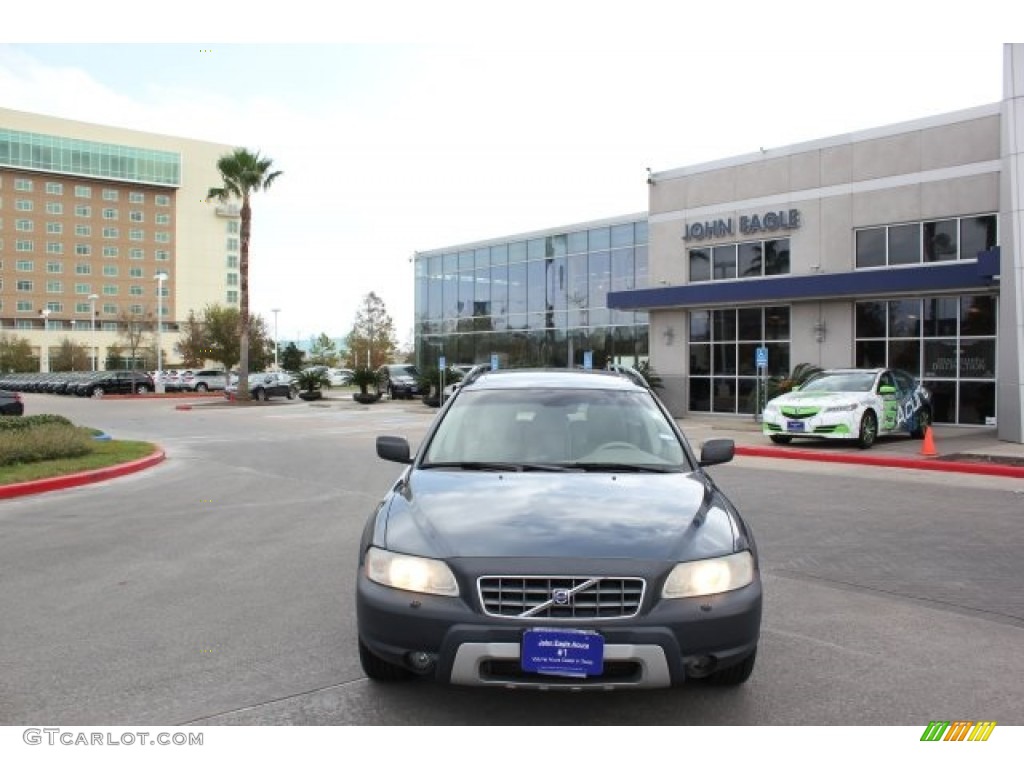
(554, 597)
(803, 412)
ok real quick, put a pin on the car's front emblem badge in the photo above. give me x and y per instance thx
(560, 596)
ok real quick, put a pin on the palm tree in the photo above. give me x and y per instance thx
(243, 173)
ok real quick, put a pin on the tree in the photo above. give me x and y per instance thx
(133, 327)
(323, 351)
(292, 357)
(372, 341)
(243, 173)
(221, 343)
(16, 355)
(71, 356)
(191, 345)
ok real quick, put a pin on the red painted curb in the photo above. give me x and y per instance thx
(79, 478)
(938, 465)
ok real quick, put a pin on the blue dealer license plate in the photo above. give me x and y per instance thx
(562, 652)
(794, 426)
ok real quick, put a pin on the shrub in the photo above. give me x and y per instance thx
(31, 422)
(44, 442)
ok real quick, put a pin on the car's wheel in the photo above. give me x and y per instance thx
(201, 387)
(868, 430)
(736, 675)
(922, 420)
(391, 392)
(377, 669)
(259, 394)
(781, 439)
(96, 392)
(141, 389)
(291, 394)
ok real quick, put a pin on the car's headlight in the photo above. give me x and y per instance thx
(413, 574)
(771, 409)
(710, 577)
(842, 408)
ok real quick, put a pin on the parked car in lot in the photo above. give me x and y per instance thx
(263, 386)
(115, 383)
(555, 530)
(857, 404)
(400, 380)
(11, 403)
(206, 380)
(339, 377)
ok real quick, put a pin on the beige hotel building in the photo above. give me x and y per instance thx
(90, 217)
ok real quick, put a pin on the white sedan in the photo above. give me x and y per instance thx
(850, 404)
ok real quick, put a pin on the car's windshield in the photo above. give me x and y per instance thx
(840, 382)
(404, 370)
(587, 429)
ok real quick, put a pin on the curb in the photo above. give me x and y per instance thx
(79, 478)
(937, 465)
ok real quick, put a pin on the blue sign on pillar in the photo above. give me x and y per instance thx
(494, 362)
(588, 360)
(442, 363)
(761, 357)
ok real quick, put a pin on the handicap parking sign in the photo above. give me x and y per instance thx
(761, 357)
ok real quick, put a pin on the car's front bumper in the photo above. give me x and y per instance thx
(838, 426)
(662, 646)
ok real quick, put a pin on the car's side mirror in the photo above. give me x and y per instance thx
(393, 448)
(717, 451)
(887, 390)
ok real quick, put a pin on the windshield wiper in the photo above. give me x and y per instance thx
(497, 466)
(603, 466)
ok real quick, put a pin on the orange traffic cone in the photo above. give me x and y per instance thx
(928, 447)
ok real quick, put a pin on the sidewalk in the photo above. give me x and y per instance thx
(974, 450)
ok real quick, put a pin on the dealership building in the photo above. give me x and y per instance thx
(894, 246)
(102, 229)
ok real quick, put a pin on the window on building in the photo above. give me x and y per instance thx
(162, 237)
(232, 297)
(135, 272)
(22, 185)
(23, 205)
(136, 197)
(24, 286)
(83, 269)
(24, 246)
(83, 289)
(110, 270)
(163, 255)
(110, 233)
(83, 211)
(54, 286)
(232, 262)
(136, 217)
(136, 234)
(163, 200)
(83, 249)
(110, 214)
(54, 188)
(23, 305)
(24, 265)
(110, 194)
(83, 230)
(24, 225)
(109, 289)
(162, 219)
(135, 290)
(110, 251)
(54, 267)
(54, 228)
(55, 209)
(83, 191)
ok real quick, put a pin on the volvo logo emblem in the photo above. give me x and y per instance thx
(560, 596)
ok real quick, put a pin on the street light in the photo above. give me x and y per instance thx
(159, 277)
(92, 330)
(275, 311)
(44, 348)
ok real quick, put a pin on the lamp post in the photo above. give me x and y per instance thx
(74, 344)
(44, 348)
(159, 277)
(92, 330)
(275, 311)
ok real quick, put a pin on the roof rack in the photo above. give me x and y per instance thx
(630, 373)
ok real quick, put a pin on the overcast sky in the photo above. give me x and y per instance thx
(421, 126)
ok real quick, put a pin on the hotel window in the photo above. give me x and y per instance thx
(162, 219)
(25, 246)
(162, 237)
(22, 185)
(925, 242)
(136, 216)
(110, 309)
(109, 290)
(135, 309)
(136, 253)
(55, 247)
(54, 188)
(110, 251)
(163, 255)
(135, 290)
(82, 308)
(83, 230)
(83, 249)
(83, 269)
(163, 200)
(110, 194)
(54, 228)
(232, 227)
(232, 278)
(24, 225)
(232, 262)
(81, 191)
(136, 197)
(54, 286)
(110, 270)
(135, 272)
(110, 214)
(83, 211)
(24, 306)
(24, 265)
(136, 234)
(109, 326)
(232, 297)
(232, 243)
(55, 306)
(111, 233)
(23, 205)
(54, 267)
(83, 288)
(24, 286)
(55, 208)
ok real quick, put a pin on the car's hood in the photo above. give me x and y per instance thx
(442, 513)
(820, 399)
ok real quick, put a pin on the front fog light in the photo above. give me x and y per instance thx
(710, 577)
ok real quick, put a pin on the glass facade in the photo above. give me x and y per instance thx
(534, 301)
(55, 154)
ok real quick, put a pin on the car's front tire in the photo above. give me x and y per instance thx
(259, 394)
(868, 430)
(377, 669)
(781, 439)
(736, 675)
(201, 387)
(922, 420)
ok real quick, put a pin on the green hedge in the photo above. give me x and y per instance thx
(41, 438)
(30, 422)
